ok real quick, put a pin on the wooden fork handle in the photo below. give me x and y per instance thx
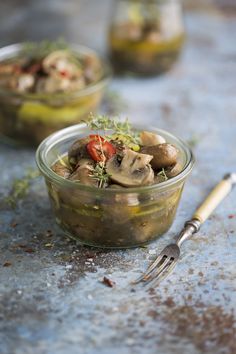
(215, 197)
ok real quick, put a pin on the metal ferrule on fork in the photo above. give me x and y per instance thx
(190, 228)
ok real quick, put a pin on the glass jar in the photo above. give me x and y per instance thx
(28, 118)
(146, 36)
(110, 218)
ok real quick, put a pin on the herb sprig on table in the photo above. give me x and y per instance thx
(20, 187)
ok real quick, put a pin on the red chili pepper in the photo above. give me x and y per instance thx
(64, 73)
(100, 149)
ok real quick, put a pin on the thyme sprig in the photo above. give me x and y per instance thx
(100, 174)
(20, 187)
(120, 129)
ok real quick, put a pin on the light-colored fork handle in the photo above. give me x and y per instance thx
(215, 197)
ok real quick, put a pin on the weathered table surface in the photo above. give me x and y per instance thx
(52, 299)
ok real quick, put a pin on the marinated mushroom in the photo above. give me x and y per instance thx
(173, 170)
(84, 173)
(61, 169)
(164, 155)
(78, 151)
(47, 70)
(150, 139)
(133, 169)
(112, 161)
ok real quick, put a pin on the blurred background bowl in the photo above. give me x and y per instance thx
(28, 118)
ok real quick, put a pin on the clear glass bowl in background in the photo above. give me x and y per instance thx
(30, 118)
(146, 36)
(110, 218)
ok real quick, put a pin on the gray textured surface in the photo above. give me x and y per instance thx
(52, 299)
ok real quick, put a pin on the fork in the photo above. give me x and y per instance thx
(167, 259)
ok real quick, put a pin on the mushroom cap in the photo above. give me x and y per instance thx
(78, 151)
(164, 155)
(150, 139)
(133, 170)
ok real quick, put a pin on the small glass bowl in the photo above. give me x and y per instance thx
(29, 118)
(111, 218)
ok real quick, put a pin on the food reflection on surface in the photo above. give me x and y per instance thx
(43, 89)
(149, 40)
(113, 163)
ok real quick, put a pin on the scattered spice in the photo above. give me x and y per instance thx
(108, 282)
(7, 264)
(48, 233)
(48, 245)
(29, 250)
(169, 302)
(208, 328)
(166, 108)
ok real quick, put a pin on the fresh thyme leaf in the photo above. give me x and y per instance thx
(100, 174)
(163, 174)
(20, 187)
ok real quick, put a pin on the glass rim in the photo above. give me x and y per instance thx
(66, 133)
(10, 51)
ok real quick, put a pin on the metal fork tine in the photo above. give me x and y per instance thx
(149, 270)
(164, 273)
(157, 270)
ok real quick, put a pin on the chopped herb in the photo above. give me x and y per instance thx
(163, 174)
(20, 187)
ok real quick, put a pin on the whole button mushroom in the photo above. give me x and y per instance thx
(164, 155)
(150, 139)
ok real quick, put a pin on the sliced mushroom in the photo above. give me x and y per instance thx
(174, 170)
(84, 172)
(61, 60)
(61, 170)
(22, 83)
(164, 155)
(78, 151)
(150, 139)
(56, 83)
(133, 170)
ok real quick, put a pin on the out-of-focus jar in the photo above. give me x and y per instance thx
(146, 36)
